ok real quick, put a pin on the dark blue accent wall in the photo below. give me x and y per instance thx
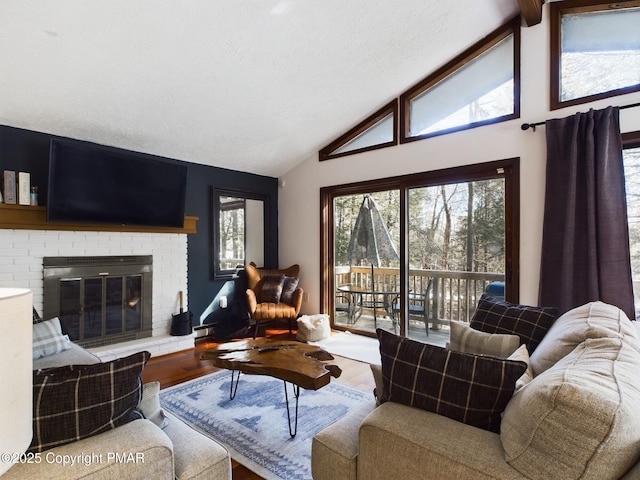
(28, 151)
(203, 291)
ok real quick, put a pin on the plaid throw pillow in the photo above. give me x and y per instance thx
(270, 288)
(529, 323)
(48, 338)
(472, 389)
(77, 401)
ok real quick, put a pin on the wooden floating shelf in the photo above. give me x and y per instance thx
(26, 217)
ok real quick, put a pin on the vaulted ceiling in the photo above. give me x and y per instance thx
(250, 85)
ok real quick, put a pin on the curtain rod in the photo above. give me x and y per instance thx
(532, 126)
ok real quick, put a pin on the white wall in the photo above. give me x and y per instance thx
(299, 200)
(22, 251)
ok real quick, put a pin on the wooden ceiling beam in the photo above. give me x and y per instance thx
(531, 11)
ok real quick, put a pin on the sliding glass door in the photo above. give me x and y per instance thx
(456, 238)
(410, 254)
(367, 262)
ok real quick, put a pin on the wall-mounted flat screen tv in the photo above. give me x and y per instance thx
(90, 183)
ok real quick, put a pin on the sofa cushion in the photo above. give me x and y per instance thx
(289, 286)
(593, 320)
(579, 418)
(196, 456)
(77, 401)
(150, 448)
(465, 339)
(473, 389)
(76, 355)
(269, 311)
(334, 450)
(494, 315)
(48, 338)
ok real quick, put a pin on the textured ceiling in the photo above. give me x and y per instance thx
(250, 85)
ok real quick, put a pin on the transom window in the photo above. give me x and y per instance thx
(476, 88)
(377, 131)
(480, 86)
(595, 50)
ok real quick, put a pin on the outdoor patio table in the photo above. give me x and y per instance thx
(366, 297)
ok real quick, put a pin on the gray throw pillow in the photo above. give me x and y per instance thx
(48, 339)
(468, 340)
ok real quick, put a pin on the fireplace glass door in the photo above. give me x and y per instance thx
(100, 306)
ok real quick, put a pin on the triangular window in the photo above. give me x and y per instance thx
(479, 87)
(378, 131)
(476, 88)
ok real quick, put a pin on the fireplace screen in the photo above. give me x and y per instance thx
(99, 300)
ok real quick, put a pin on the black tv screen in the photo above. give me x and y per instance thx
(90, 183)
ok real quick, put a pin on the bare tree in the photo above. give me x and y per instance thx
(446, 241)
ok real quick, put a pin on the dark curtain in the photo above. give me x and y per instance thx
(585, 245)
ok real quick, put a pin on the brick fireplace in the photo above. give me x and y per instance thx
(100, 300)
(22, 254)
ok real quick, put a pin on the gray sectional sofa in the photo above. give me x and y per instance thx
(158, 447)
(577, 418)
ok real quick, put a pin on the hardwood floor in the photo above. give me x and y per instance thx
(185, 365)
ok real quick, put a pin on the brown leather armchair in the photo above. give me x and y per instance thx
(273, 295)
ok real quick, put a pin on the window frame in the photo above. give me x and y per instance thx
(390, 108)
(216, 192)
(556, 10)
(631, 140)
(399, 106)
(510, 28)
(507, 168)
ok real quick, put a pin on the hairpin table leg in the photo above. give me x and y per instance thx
(296, 393)
(234, 384)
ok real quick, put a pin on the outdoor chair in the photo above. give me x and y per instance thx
(344, 304)
(273, 295)
(376, 302)
(418, 307)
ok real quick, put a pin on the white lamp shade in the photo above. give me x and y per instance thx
(16, 364)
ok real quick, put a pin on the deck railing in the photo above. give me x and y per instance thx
(452, 295)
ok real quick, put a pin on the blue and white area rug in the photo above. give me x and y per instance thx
(254, 426)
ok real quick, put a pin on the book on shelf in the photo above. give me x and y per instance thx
(9, 186)
(24, 188)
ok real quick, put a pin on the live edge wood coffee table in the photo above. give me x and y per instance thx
(294, 362)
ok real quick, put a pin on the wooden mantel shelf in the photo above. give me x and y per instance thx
(26, 217)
